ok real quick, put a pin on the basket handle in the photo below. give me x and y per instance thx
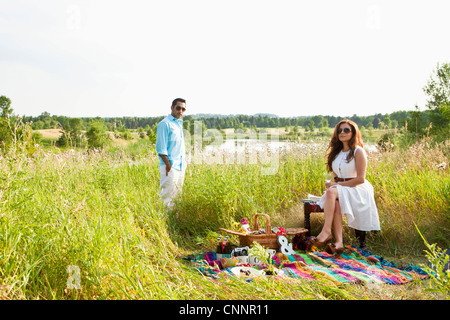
(233, 232)
(268, 227)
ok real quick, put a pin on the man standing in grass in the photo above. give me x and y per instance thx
(172, 153)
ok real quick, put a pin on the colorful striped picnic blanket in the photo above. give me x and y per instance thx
(354, 266)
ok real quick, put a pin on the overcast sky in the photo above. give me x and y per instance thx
(286, 57)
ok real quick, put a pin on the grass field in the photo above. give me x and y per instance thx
(101, 212)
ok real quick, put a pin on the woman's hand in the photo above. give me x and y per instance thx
(329, 184)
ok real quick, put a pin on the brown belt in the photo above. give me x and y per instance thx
(336, 179)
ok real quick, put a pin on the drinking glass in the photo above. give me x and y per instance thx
(328, 176)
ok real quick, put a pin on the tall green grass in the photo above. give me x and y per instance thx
(413, 186)
(409, 188)
(101, 212)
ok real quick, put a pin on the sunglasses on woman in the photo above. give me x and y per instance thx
(346, 130)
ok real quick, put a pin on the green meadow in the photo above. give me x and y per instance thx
(100, 211)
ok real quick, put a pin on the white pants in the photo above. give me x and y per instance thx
(171, 184)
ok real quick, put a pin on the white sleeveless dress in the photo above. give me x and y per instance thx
(357, 203)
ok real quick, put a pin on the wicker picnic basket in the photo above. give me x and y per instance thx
(267, 239)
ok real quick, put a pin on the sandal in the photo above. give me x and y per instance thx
(332, 249)
(320, 244)
(339, 251)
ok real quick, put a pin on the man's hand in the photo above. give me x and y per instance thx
(167, 162)
(168, 167)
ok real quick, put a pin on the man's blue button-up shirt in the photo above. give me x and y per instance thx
(170, 142)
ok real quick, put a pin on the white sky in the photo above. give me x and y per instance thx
(287, 57)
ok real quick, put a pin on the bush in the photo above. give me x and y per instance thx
(96, 135)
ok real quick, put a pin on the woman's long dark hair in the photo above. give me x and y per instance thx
(335, 146)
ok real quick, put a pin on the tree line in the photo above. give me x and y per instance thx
(435, 120)
(393, 120)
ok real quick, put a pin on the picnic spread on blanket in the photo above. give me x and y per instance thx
(296, 259)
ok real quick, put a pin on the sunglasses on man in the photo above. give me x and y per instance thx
(180, 108)
(346, 130)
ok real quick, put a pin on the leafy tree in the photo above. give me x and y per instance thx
(45, 116)
(5, 106)
(126, 134)
(36, 137)
(394, 124)
(186, 126)
(323, 124)
(438, 91)
(438, 86)
(5, 133)
(63, 140)
(310, 126)
(96, 135)
(387, 121)
(440, 120)
(5, 122)
(71, 135)
(38, 125)
(417, 124)
(141, 132)
(151, 133)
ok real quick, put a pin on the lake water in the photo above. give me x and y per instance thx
(241, 145)
(249, 145)
(254, 151)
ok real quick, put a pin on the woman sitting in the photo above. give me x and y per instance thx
(350, 193)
